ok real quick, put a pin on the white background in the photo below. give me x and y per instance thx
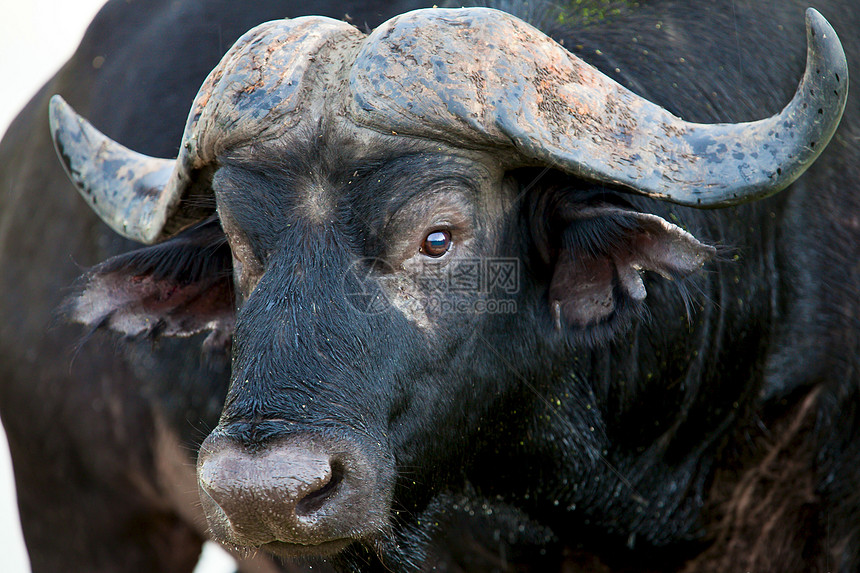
(36, 38)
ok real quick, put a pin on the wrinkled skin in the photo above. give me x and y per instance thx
(712, 433)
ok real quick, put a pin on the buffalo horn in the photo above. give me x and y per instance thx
(477, 78)
(255, 93)
(123, 187)
(481, 78)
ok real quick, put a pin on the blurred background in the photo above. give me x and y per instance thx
(36, 38)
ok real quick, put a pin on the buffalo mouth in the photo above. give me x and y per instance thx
(292, 550)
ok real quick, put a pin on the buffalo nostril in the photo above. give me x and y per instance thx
(314, 500)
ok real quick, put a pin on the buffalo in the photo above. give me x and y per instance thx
(439, 288)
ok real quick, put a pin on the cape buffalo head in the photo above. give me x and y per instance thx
(373, 199)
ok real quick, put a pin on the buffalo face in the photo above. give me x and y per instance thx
(364, 358)
(342, 364)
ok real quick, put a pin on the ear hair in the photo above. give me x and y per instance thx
(180, 287)
(598, 252)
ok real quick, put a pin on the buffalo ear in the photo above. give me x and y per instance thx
(180, 287)
(601, 254)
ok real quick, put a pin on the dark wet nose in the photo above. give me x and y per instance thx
(316, 497)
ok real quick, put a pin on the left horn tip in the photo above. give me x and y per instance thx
(62, 120)
(121, 186)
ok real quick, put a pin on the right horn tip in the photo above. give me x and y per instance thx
(824, 44)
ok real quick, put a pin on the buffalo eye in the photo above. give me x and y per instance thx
(436, 244)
